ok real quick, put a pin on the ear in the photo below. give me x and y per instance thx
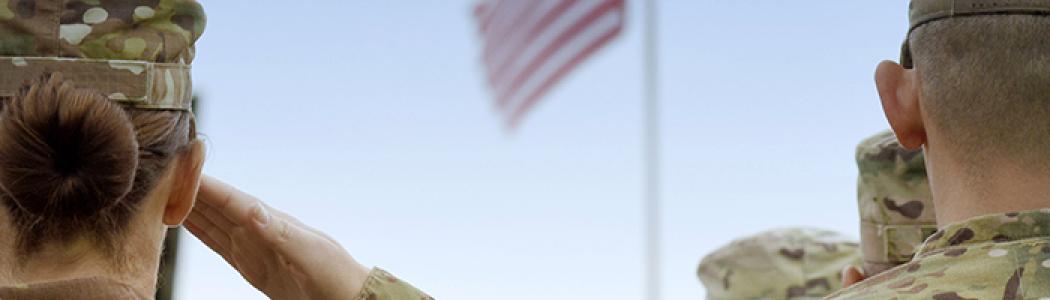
(187, 177)
(900, 92)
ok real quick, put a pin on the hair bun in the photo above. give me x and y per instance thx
(65, 152)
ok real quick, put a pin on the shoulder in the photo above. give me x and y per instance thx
(983, 271)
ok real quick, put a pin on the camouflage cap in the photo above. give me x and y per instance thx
(137, 52)
(922, 12)
(795, 263)
(893, 195)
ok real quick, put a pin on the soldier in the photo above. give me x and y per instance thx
(793, 263)
(95, 107)
(896, 215)
(107, 63)
(893, 197)
(972, 89)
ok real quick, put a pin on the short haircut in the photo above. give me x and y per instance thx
(986, 86)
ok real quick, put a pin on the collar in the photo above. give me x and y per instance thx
(74, 289)
(997, 228)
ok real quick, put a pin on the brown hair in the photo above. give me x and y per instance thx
(985, 85)
(75, 165)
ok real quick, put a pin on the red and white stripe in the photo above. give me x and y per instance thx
(529, 45)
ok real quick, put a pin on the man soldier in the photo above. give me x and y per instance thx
(797, 263)
(791, 263)
(893, 197)
(973, 89)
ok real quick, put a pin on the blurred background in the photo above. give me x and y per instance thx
(372, 121)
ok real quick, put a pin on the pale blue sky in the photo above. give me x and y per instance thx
(370, 120)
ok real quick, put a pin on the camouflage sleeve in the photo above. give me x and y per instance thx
(380, 285)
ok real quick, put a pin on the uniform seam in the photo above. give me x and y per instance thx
(369, 286)
(55, 20)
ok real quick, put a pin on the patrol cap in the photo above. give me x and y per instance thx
(893, 196)
(792, 263)
(922, 12)
(135, 52)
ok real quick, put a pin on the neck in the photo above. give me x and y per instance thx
(136, 267)
(960, 193)
(79, 261)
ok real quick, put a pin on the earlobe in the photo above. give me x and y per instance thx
(899, 90)
(186, 182)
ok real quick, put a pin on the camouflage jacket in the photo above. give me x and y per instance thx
(380, 285)
(1002, 256)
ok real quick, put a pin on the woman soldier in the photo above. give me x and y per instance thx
(99, 155)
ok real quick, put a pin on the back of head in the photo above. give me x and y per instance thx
(68, 156)
(986, 87)
(893, 196)
(76, 165)
(92, 116)
(793, 263)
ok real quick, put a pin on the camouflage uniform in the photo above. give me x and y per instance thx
(999, 256)
(380, 285)
(135, 52)
(893, 196)
(896, 216)
(796, 264)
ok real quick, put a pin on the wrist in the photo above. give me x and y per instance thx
(358, 276)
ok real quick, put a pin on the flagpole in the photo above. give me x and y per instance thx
(652, 156)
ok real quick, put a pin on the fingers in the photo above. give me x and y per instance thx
(224, 207)
(851, 276)
(215, 216)
(210, 226)
(251, 257)
(273, 250)
(207, 233)
(236, 205)
(288, 238)
(280, 214)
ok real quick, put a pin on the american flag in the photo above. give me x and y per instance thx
(529, 45)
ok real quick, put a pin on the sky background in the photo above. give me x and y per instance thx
(370, 120)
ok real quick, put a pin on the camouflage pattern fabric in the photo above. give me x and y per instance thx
(136, 52)
(999, 256)
(148, 46)
(893, 196)
(380, 285)
(1002, 256)
(791, 264)
(144, 30)
(133, 83)
(896, 212)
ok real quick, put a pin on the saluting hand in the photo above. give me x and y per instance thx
(273, 251)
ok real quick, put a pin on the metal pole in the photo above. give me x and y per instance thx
(168, 260)
(169, 257)
(652, 155)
